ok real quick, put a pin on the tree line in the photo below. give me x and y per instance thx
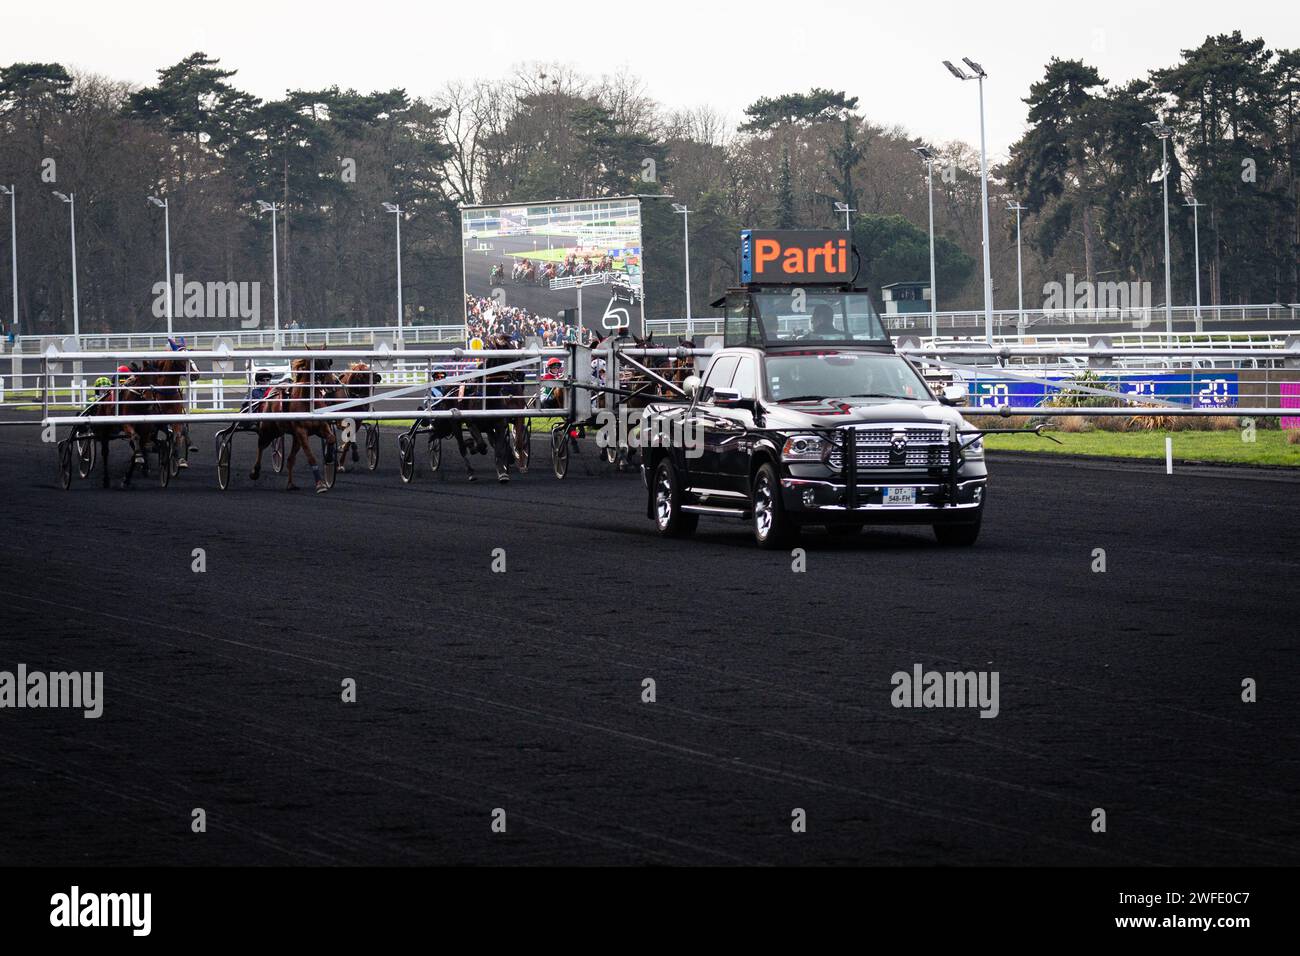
(330, 158)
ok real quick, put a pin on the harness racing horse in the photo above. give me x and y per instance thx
(130, 396)
(502, 391)
(307, 390)
(161, 380)
(637, 389)
(455, 397)
(357, 382)
(678, 369)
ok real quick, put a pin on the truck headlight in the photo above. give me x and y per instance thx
(975, 450)
(804, 448)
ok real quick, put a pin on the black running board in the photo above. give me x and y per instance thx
(718, 512)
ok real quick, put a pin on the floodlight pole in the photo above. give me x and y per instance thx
(1169, 286)
(12, 191)
(1196, 240)
(396, 210)
(979, 73)
(1020, 286)
(685, 213)
(984, 213)
(275, 273)
(71, 200)
(1164, 132)
(928, 156)
(275, 265)
(164, 204)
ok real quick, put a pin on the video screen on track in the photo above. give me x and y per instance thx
(559, 271)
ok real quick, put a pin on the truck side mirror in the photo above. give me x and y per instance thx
(691, 385)
(727, 398)
(953, 395)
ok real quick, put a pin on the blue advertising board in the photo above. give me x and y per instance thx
(1209, 389)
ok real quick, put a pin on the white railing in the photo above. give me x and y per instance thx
(973, 321)
(255, 338)
(1007, 323)
(221, 383)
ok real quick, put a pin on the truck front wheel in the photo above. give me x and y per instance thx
(772, 526)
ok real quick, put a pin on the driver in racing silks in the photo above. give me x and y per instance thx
(118, 384)
(550, 395)
(436, 392)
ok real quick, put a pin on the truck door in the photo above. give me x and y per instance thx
(706, 421)
(735, 428)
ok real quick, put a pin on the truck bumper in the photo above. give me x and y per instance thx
(816, 501)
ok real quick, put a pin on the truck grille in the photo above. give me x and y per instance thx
(902, 446)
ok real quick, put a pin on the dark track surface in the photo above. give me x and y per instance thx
(522, 690)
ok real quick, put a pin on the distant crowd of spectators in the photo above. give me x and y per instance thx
(485, 316)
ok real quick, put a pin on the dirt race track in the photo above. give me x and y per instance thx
(522, 690)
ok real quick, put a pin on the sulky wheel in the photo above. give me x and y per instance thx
(85, 454)
(524, 447)
(560, 450)
(277, 455)
(372, 447)
(223, 463)
(406, 456)
(65, 464)
(164, 449)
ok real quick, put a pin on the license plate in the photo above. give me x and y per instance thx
(898, 496)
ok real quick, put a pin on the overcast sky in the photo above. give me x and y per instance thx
(689, 53)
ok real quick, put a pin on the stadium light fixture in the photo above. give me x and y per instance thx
(846, 209)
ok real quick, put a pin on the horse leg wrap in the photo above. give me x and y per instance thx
(315, 472)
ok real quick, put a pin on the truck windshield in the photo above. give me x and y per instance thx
(812, 375)
(811, 316)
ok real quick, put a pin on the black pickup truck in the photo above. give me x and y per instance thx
(807, 416)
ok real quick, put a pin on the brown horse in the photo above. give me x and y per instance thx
(130, 396)
(307, 391)
(637, 388)
(500, 391)
(358, 381)
(160, 380)
(678, 369)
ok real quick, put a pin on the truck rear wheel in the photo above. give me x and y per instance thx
(670, 521)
